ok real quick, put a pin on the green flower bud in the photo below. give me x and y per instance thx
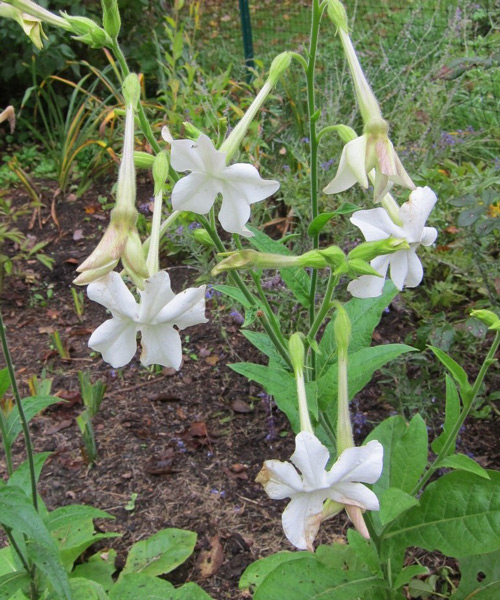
(487, 317)
(203, 237)
(80, 25)
(337, 14)
(361, 267)
(192, 132)
(346, 133)
(143, 160)
(313, 259)
(342, 329)
(297, 351)
(111, 17)
(160, 171)
(334, 256)
(279, 65)
(131, 90)
(370, 250)
(246, 259)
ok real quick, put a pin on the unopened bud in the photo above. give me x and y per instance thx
(337, 14)
(80, 25)
(133, 260)
(192, 132)
(111, 17)
(245, 259)
(297, 351)
(160, 171)
(359, 267)
(279, 65)
(203, 237)
(370, 250)
(346, 133)
(487, 317)
(131, 90)
(313, 259)
(143, 160)
(342, 329)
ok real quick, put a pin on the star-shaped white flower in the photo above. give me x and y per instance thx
(362, 155)
(303, 515)
(240, 185)
(155, 316)
(406, 268)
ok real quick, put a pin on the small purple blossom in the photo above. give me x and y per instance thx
(237, 317)
(194, 225)
(327, 164)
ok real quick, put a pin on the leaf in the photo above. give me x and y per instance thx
(451, 415)
(21, 477)
(7, 563)
(459, 515)
(255, 574)
(32, 406)
(86, 589)
(358, 555)
(365, 315)
(139, 586)
(393, 502)
(234, 293)
(461, 462)
(263, 343)
(191, 591)
(319, 222)
(47, 559)
(308, 579)
(405, 452)
(457, 372)
(99, 568)
(10, 583)
(407, 574)
(480, 578)
(470, 215)
(4, 381)
(160, 553)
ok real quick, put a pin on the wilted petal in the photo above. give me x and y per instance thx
(195, 192)
(111, 292)
(161, 345)
(301, 519)
(115, 339)
(279, 480)
(356, 516)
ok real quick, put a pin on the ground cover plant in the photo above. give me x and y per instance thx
(317, 343)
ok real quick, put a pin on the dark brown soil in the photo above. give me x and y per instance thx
(187, 445)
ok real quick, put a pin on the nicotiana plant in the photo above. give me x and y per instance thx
(395, 496)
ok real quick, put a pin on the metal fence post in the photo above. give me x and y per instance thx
(246, 29)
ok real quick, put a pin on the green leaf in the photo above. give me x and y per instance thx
(139, 586)
(480, 578)
(365, 315)
(308, 579)
(470, 215)
(393, 502)
(405, 452)
(459, 515)
(32, 406)
(161, 553)
(234, 293)
(263, 343)
(7, 562)
(4, 381)
(319, 222)
(191, 591)
(359, 555)
(461, 462)
(407, 574)
(47, 559)
(256, 573)
(10, 583)
(99, 568)
(452, 413)
(21, 477)
(85, 589)
(458, 374)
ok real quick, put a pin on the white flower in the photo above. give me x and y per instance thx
(155, 316)
(240, 185)
(406, 268)
(363, 154)
(304, 513)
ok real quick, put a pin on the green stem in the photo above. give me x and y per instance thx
(325, 306)
(22, 416)
(463, 415)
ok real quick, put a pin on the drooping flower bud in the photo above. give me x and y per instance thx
(203, 237)
(87, 31)
(143, 160)
(279, 65)
(31, 25)
(342, 334)
(487, 317)
(337, 14)
(297, 356)
(35, 10)
(160, 171)
(111, 17)
(370, 250)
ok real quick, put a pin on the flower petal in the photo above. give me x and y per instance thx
(310, 457)
(399, 267)
(234, 214)
(199, 156)
(352, 167)
(280, 480)
(354, 494)
(375, 224)
(415, 213)
(415, 270)
(115, 339)
(243, 180)
(111, 292)
(161, 345)
(157, 293)
(429, 236)
(301, 519)
(195, 192)
(185, 309)
(371, 286)
(362, 463)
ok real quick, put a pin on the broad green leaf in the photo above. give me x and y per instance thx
(190, 591)
(452, 413)
(138, 586)
(308, 579)
(407, 574)
(319, 222)
(470, 215)
(457, 372)
(393, 502)
(21, 477)
(7, 563)
(296, 279)
(359, 555)
(48, 560)
(480, 578)
(85, 589)
(32, 406)
(234, 293)
(263, 343)
(365, 315)
(405, 452)
(99, 568)
(461, 462)
(161, 553)
(66, 515)
(255, 574)
(459, 515)
(10, 583)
